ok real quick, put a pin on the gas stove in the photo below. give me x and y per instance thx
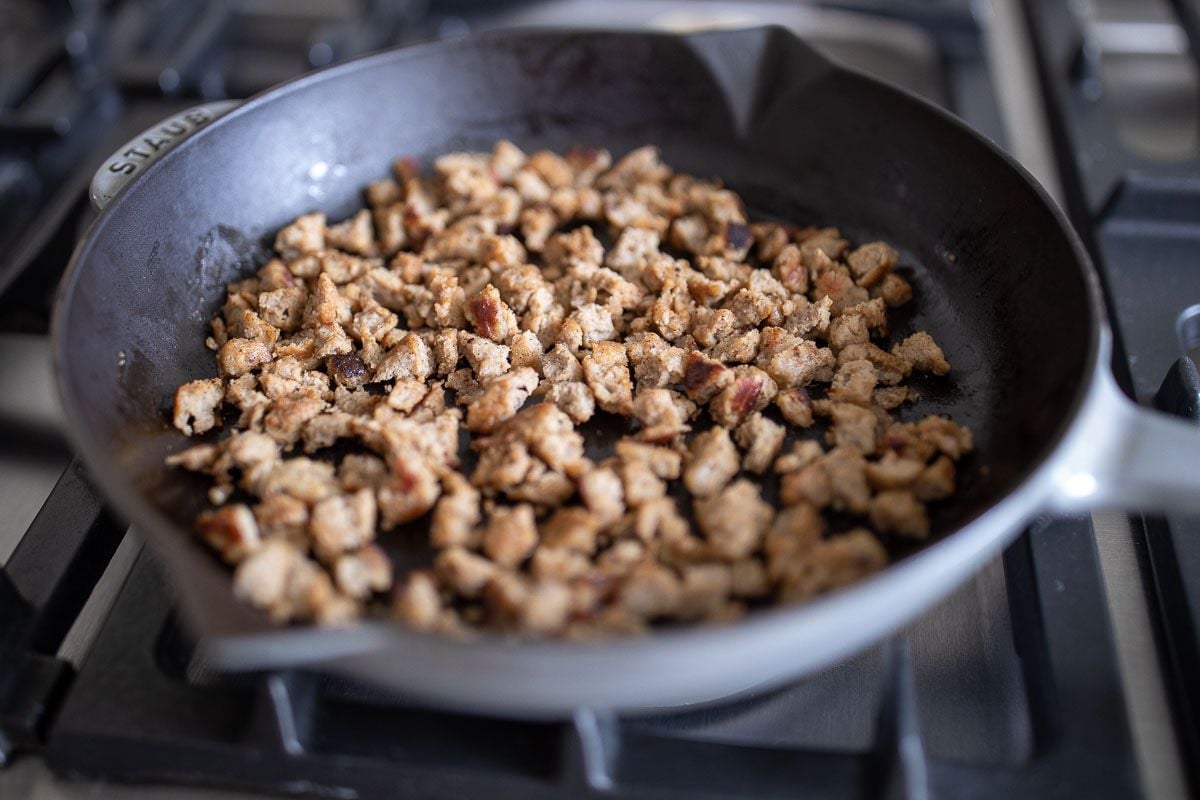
(1065, 669)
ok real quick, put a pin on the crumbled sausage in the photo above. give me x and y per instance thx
(550, 434)
(410, 491)
(559, 365)
(603, 493)
(898, 511)
(895, 291)
(279, 579)
(362, 572)
(650, 591)
(510, 535)
(464, 571)
(809, 318)
(738, 349)
(543, 487)
(893, 472)
(656, 364)
(526, 351)
(230, 530)
(282, 516)
(347, 369)
(303, 478)
(751, 391)
(762, 440)
(606, 370)
(573, 397)
(559, 563)
(810, 483)
(586, 326)
(283, 308)
(354, 235)
(890, 398)
(661, 417)
(854, 382)
(239, 356)
(456, 514)
(705, 590)
(545, 608)
(537, 223)
(502, 396)
(466, 389)
(734, 520)
(871, 262)
(486, 358)
(287, 417)
(286, 377)
(794, 532)
(936, 481)
(197, 458)
(410, 358)
(704, 378)
(490, 316)
(641, 484)
(342, 523)
(710, 326)
(846, 469)
(418, 604)
(480, 307)
(853, 426)
(407, 394)
(325, 429)
(804, 452)
(789, 268)
(660, 520)
(802, 364)
(572, 528)
(243, 394)
(923, 354)
(796, 406)
(664, 462)
(933, 434)
(712, 462)
(833, 564)
(197, 404)
(632, 253)
(749, 579)
(305, 236)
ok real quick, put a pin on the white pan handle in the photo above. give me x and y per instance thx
(1129, 457)
(149, 146)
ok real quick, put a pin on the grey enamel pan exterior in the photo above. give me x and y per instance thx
(1002, 283)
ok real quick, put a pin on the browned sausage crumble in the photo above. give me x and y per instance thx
(483, 298)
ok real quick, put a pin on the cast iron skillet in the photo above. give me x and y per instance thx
(1002, 283)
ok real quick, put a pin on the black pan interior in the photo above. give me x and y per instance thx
(999, 283)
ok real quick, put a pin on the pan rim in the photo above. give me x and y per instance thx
(371, 635)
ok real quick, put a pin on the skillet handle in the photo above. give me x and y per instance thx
(1126, 456)
(132, 158)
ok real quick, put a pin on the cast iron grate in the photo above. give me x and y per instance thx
(43, 586)
(1138, 216)
(1174, 554)
(136, 713)
(77, 80)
